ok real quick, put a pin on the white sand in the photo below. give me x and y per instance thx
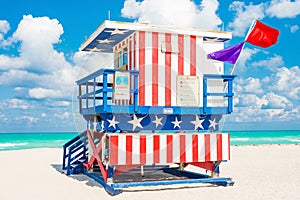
(259, 172)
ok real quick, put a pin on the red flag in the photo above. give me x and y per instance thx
(263, 35)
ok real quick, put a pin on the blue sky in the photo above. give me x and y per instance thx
(40, 60)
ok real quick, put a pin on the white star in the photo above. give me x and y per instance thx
(117, 31)
(113, 122)
(213, 123)
(176, 123)
(106, 41)
(95, 49)
(136, 122)
(197, 123)
(157, 121)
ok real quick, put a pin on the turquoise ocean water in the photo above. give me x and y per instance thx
(15, 141)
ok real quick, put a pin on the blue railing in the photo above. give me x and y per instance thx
(75, 154)
(96, 95)
(102, 82)
(225, 91)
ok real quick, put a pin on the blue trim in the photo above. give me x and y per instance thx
(193, 177)
(101, 181)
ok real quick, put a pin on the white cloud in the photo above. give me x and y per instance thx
(249, 85)
(294, 28)
(287, 82)
(284, 9)
(30, 120)
(64, 115)
(4, 27)
(245, 56)
(42, 93)
(244, 16)
(275, 101)
(14, 104)
(271, 63)
(183, 13)
(3, 118)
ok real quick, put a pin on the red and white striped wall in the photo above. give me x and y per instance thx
(184, 55)
(130, 149)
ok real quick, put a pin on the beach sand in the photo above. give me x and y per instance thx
(259, 172)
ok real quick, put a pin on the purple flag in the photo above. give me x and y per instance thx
(229, 54)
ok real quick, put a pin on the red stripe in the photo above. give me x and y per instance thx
(113, 153)
(142, 149)
(193, 55)
(168, 70)
(156, 149)
(130, 54)
(219, 147)
(195, 147)
(142, 68)
(228, 146)
(134, 51)
(182, 148)
(180, 54)
(207, 146)
(128, 149)
(169, 149)
(154, 69)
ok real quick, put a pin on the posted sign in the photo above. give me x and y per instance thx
(122, 87)
(187, 93)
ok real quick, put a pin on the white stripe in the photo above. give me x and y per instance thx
(137, 51)
(148, 68)
(176, 148)
(199, 67)
(163, 149)
(122, 149)
(201, 148)
(225, 153)
(161, 71)
(135, 149)
(174, 70)
(213, 147)
(149, 150)
(189, 148)
(187, 55)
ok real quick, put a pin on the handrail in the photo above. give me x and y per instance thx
(74, 150)
(104, 89)
(229, 93)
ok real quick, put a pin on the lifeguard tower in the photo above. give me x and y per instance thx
(155, 111)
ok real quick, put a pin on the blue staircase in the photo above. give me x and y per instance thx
(75, 154)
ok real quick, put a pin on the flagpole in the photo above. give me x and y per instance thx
(248, 33)
(234, 66)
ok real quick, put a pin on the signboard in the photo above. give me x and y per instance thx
(122, 87)
(187, 93)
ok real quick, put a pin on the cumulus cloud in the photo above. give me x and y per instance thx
(294, 28)
(30, 120)
(184, 13)
(287, 82)
(271, 63)
(284, 9)
(4, 27)
(62, 116)
(244, 16)
(245, 56)
(249, 85)
(14, 103)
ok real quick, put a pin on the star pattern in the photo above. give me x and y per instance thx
(136, 122)
(176, 123)
(95, 49)
(106, 41)
(213, 124)
(197, 123)
(117, 31)
(113, 122)
(157, 121)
